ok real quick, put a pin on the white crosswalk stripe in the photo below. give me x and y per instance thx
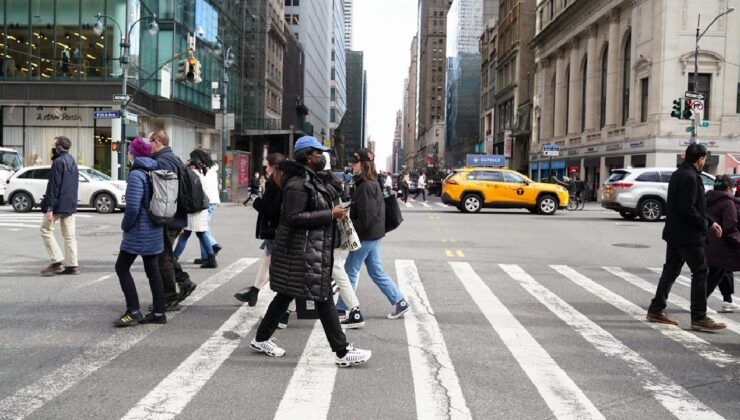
(26, 220)
(561, 394)
(674, 398)
(673, 298)
(685, 281)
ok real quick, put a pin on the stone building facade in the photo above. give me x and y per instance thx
(607, 72)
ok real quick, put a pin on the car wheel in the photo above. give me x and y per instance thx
(547, 205)
(650, 210)
(627, 215)
(104, 203)
(471, 203)
(22, 202)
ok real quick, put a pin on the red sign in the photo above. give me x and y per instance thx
(574, 169)
(243, 170)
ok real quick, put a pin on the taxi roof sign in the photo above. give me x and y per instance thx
(485, 160)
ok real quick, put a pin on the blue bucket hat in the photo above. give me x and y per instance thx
(309, 141)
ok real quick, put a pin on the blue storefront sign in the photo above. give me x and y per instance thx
(486, 160)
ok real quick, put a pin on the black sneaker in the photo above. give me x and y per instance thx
(170, 306)
(283, 324)
(199, 261)
(186, 289)
(354, 320)
(399, 309)
(129, 319)
(216, 249)
(152, 318)
(249, 297)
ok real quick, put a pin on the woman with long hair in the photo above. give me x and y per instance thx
(210, 187)
(368, 217)
(198, 222)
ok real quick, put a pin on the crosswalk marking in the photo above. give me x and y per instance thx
(443, 205)
(675, 299)
(673, 397)
(175, 392)
(408, 204)
(425, 204)
(436, 386)
(309, 392)
(34, 396)
(685, 338)
(557, 389)
(684, 281)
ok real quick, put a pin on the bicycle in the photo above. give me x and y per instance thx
(576, 202)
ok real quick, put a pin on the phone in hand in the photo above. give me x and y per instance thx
(345, 204)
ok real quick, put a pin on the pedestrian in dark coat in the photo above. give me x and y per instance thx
(60, 204)
(303, 256)
(685, 233)
(140, 237)
(723, 254)
(170, 269)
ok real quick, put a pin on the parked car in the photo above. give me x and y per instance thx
(641, 192)
(26, 189)
(472, 188)
(10, 163)
(412, 186)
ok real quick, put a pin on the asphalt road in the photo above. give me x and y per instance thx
(514, 315)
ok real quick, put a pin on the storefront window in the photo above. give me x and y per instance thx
(16, 30)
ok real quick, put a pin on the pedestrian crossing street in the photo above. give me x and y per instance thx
(553, 341)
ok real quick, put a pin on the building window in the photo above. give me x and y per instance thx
(293, 19)
(292, 2)
(333, 74)
(333, 115)
(604, 64)
(626, 81)
(705, 80)
(584, 79)
(644, 90)
(333, 94)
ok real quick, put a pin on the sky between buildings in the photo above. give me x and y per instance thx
(383, 30)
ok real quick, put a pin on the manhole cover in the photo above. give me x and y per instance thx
(631, 245)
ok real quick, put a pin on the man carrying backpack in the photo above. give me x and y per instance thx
(169, 267)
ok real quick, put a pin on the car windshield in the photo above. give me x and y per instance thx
(95, 175)
(11, 160)
(617, 176)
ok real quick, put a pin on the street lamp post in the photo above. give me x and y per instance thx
(227, 61)
(123, 59)
(699, 35)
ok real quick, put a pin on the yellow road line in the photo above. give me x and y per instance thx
(448, 253)
(460, 253)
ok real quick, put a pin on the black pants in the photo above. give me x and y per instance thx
(405, 191)
(723, 279)
(423, 193)
(169, 267)
(327, 314)
(676, 256)
(123, 270)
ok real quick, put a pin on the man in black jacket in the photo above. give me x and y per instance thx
(60, 203)
(685, 233)
(169, 267)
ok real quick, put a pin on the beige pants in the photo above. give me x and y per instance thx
(70, 239)
(342, 279)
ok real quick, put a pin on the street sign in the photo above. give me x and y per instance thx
(550, 147)
(697, 105)
(694, 95)
(106, 115)
(486, 160)
(551, 153)
(121, 98)
(689, 129)
(132, 118)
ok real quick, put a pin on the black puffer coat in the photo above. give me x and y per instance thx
(368, 210)
(268, 207)
(303, 257)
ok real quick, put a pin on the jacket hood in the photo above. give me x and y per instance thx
(162, 151)
(292, 168)
(145, 163)
(715, 197)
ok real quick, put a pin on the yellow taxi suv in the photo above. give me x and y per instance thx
(472, 188)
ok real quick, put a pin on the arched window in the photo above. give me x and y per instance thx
(626, 80)
(567, 98)
(604, 64)
(584, 79)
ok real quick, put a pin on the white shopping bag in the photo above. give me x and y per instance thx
(348, 234)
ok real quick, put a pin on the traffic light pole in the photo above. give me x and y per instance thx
(224, 126)
(694, 126)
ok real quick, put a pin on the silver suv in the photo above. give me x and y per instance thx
(641, 192)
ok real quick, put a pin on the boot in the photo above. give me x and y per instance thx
(211, 263)
(249, 297)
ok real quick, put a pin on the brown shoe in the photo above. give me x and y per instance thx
(52, 269)
(707, 324)
(71, 270)
(661, 318)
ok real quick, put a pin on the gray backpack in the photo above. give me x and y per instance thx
(163, 204)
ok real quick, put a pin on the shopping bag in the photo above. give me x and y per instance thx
(348, 234)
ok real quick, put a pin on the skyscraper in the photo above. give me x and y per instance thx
(338, 83)
(398, 153)
(348, 8)
(353, 126)
(409, 109)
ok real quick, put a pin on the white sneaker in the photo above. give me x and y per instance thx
(353, 357)
(268, 347)
(729, 307)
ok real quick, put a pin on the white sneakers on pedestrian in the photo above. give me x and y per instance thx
(729, 307)
(268, 347)
(353, 357)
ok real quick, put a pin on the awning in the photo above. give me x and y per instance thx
(732, 161)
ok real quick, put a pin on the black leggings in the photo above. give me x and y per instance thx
(151, 267)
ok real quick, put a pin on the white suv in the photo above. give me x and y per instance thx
(26, 189)
(10, 163)
(641, 192)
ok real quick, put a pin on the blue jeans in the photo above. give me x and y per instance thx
(209, 237)
(369, 254)
(183, 240)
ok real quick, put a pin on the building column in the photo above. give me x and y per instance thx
(592, 109)
(547, 106)
(560, 91)
(574, 99)
(612, 72)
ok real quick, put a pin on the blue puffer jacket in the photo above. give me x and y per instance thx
(140, 235)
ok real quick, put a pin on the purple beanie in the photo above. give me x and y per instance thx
(140, 147)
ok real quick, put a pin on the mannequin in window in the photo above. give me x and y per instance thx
(65, 61)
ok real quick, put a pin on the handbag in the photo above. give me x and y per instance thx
(393, 216)
(350, 241)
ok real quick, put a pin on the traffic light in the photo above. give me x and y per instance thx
(688, 110)
(196, 72)
(677, 108)
(114, 146)
(190, 75)
(182, 71)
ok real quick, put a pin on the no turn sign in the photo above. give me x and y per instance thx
(697, 105)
